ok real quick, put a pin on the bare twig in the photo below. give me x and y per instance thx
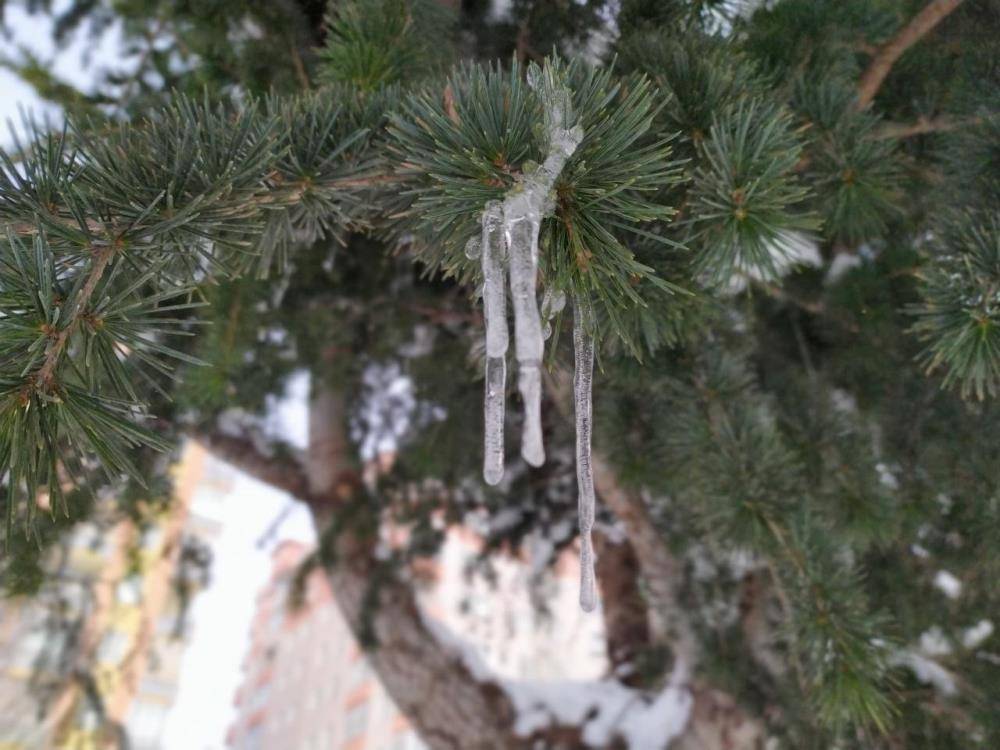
(921, 24)
(300, 68)
(924, 125)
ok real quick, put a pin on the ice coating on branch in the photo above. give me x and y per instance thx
(496, 385)
(523, 210)
(553, 303)
(474, 248)
(510, 238)
(583, 378)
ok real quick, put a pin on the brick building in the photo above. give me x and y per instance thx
(103, 635)
(307, 684)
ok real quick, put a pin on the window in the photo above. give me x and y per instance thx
(357, 720)
(359, 673)
(129, 590)
(406, 741)
(151, 538)
(253, 739)
(113, 647)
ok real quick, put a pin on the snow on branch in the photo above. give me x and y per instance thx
(603, 710)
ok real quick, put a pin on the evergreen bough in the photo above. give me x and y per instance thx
(753, 404)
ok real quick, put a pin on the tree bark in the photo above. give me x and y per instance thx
(626, 621)
(428, 679)
(453, 702)
(921, 24)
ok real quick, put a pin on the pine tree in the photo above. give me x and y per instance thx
(775, 224)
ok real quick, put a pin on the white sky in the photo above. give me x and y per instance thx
(34, 32)
(220, 616)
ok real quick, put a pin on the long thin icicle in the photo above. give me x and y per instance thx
(496, 386)
(523, 210)
(493, 254)
(583, 378)
(495, 315)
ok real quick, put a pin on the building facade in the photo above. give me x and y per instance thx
(95, 655)
(306, 682)
(308, 686)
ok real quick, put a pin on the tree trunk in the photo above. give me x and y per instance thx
(450, 698)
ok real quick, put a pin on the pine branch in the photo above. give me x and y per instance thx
(281, 473)
(102, 257)
(921, 24)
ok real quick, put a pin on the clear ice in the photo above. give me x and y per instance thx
(523, 210)
(509, 241)
(583, 379)
(491, 246)
(496, 385)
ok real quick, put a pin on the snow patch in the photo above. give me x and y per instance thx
(933, 642)
(841, 264)
(886, 478)
(948, 584)
(977, 634)
(604, 709)
(788, 250)
(928, 672)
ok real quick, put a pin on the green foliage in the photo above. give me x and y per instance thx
(475, 145)
(844, 652)
(327, 157)
(746, 200)
(959, 316)
(853, 171)
(374, 43)
(822, 37)
(699, 77)
(788, 427)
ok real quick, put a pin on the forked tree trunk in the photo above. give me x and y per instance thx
(455, 704)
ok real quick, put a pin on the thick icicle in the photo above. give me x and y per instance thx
(528, 342)
(495, 315)
(583, 378)
(496, 385)
(494, 278)
(523, 209)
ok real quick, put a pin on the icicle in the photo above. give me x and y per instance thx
(523, 209)
(583, 377)
(495, 313)
(494, 277)
(520, 219)
(496, 386)
(529, 347)
(552, 304)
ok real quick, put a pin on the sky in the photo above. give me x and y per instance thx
(34, 32)
(220, 616)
